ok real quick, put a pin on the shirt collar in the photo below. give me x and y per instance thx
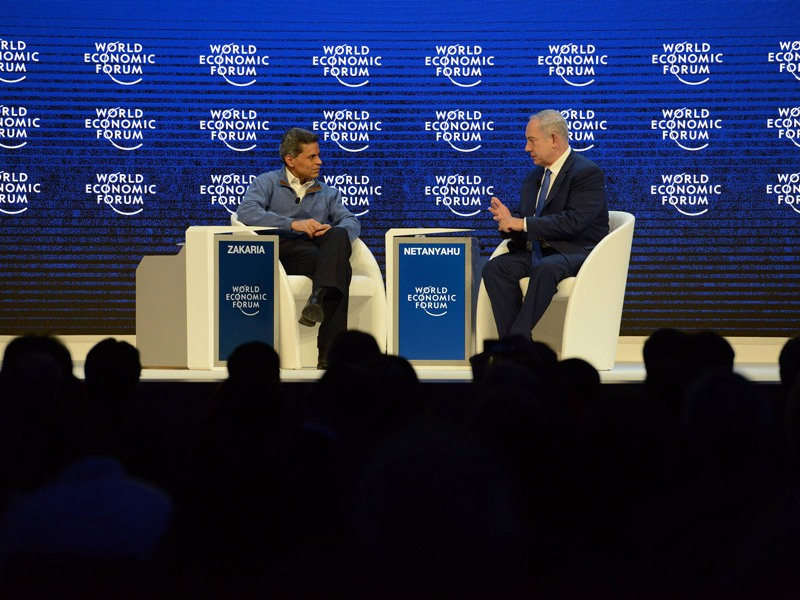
(295, 181)
(555, 168)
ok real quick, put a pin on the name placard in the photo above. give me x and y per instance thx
(433, 320)
(246, 292)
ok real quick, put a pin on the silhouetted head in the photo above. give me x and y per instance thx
(709, 350)
(664, 346)
(354, 347)
(112, 370)
(254, 362)
(253, 387)
(728, 422)
(402, 398)
(22, 348)
(347, 399)
(789, 362)
(39, 344)
(536, 356)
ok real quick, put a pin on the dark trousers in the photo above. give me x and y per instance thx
(326, 260)
(513, 314)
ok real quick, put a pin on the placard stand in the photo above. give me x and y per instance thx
(194, 307)
(431, 295)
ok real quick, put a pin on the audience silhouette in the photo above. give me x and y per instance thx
(70, 507)
(359, 483)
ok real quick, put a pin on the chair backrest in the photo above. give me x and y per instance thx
(236, 222)
(601, 281)
(613, 251)
(618, 219)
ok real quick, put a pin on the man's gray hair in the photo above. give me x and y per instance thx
(551, 121)
(294, 140)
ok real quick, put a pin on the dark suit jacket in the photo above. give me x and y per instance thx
(575, 216)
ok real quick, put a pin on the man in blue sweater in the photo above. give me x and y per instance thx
(316, 231)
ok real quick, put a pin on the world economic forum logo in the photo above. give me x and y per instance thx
(123, 62)
(689, 128)
(688, 62)
(575, 64)
(123, 128)
(689, 194)
(349, 64)
(14, 59)
(462, 195)
(14, 191)
(237, 129)
(124, 193)
(237, 64)
(787, 57)
(786, 190)
(226, 189)
(583, 124)
(357, 192)
(787, 124)
(460, 64)
(15, 122)
(462, 130)
(246, 298)
(348, 129)
(432, 300)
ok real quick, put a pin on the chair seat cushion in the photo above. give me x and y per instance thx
(564, 287)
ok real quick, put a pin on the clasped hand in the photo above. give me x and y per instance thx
(311, 227)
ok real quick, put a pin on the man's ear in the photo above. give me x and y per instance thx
(289, 160)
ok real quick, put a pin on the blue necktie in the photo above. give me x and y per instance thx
(543, 192)
(536, 247)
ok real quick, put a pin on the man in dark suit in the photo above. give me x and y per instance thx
(561, 216)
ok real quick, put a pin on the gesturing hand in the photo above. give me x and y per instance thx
(505, 221)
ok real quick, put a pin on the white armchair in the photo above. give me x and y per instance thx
(583, 320)
(297, 344)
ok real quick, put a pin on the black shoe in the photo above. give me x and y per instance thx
(312, 311)
(307, 322)
(322, 360)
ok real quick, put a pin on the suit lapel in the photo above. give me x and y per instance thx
(528, 204)
(562, 176)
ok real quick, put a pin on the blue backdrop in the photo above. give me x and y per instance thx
(123, 123)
